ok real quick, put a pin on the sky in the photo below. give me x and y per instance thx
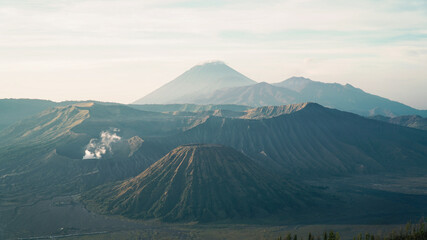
(121, 50)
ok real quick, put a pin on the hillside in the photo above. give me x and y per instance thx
(14, 110)
(48, 125)
(281, 150)
(201, 183)
(297, 138)
(89, 118)
(48, 150)
(44, 153)
(260, 94)
(317, 141)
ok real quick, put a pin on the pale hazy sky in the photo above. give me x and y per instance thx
(120, 50)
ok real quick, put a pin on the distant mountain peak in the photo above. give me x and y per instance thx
(213, 63)
(301, 79)
(295, 83)
(215, 67)
(197, 81)
(264, 84)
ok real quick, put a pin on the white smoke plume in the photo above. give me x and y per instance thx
(98, 147)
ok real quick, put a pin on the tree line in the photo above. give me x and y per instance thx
(410, 232)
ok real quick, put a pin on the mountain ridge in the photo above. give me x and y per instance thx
(347, 98)
(292, 90)
(275, 111)
(316, 140)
